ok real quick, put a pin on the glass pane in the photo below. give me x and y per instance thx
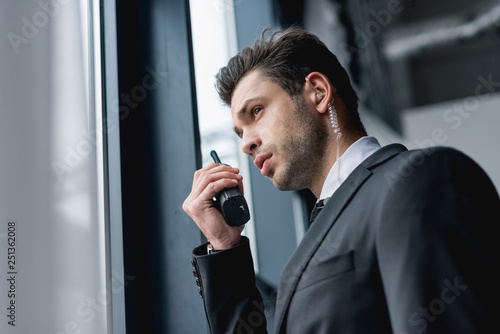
(212, 48)
(51, 199)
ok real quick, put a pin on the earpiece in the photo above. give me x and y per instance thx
(334, 122)
(319, 95)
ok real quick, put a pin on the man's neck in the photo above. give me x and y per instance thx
(345, 142)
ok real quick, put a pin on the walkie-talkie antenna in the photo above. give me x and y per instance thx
(215, 157)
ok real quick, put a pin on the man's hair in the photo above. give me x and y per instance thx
(286, 58)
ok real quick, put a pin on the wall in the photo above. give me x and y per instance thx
(469, 124)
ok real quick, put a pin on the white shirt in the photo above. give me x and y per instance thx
(343, 167)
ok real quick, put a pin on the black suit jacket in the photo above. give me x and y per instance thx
(407, 244)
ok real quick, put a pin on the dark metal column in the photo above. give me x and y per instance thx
(160, 152)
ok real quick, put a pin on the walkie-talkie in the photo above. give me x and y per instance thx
(231, 203)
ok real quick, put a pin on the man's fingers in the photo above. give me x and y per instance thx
(197, 206)
(213, 168)
(207, 182)
(213, 188)
(207, 186)
(207, 178)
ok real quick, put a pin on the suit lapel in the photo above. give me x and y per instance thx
(319, 229)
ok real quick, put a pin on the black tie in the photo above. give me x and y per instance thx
(317, 208)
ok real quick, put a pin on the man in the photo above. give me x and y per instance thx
(405, 242)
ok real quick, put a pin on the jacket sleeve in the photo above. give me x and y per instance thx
(437, 247)
(226, 281)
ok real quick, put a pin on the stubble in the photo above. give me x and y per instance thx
(303, 149)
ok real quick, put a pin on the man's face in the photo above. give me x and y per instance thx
(286, 137)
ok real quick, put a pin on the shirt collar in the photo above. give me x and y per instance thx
(352, 157)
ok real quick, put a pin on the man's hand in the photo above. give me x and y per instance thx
(207, 182)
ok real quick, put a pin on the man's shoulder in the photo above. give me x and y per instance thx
(430, 157)
(437, 158)
(438, 152)
(392, 154)
(431, 165)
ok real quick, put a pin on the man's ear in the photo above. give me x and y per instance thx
(319, 90)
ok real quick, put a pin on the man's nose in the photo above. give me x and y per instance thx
(249, 142)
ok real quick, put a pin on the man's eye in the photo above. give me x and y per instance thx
(256, 110)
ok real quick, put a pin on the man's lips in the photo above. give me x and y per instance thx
(262, 162)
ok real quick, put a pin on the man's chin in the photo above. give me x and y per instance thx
(280, 187)
(277, 183)
(287, 180)
(283, 185)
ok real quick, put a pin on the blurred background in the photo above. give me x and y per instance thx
(108, 108)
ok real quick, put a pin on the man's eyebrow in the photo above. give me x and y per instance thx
(240, 114)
